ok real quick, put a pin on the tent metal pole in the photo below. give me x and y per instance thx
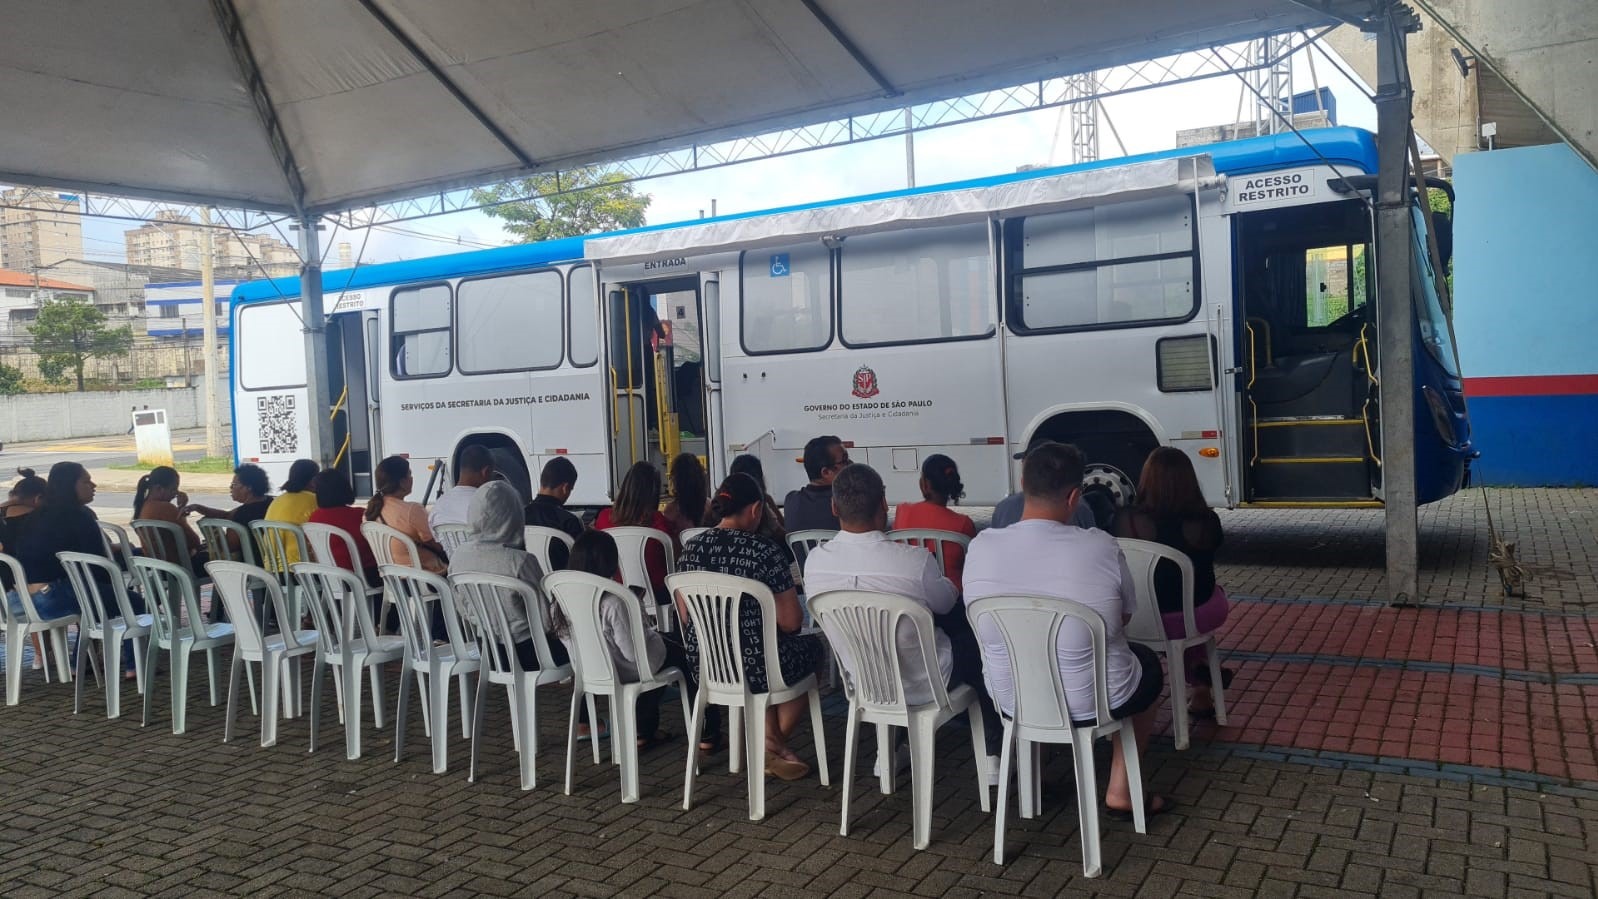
(1396, 314)
(318, 393)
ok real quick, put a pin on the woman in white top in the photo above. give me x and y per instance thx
(595, 552)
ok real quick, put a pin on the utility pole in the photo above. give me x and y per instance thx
(1395, 305)
(213, 428)
(188, 369)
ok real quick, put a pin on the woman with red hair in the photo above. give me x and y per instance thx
(1171, 510)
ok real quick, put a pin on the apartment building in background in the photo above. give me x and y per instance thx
(38, 226)
(174, 240)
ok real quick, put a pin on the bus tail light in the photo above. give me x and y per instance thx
(1210, 452)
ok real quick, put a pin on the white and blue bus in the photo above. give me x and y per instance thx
(1216, 299)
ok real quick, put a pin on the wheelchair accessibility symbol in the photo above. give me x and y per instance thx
(779, 265)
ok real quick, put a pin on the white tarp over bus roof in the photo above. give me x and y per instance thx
(378, 99)
(1016, 196)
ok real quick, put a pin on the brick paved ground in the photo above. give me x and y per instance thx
(1442, 750)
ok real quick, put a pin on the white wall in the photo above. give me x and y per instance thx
(53, 416)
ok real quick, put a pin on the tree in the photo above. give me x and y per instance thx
(593, 200)
(10, 380)
(70, 331)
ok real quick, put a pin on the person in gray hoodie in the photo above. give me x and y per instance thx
(496, 518)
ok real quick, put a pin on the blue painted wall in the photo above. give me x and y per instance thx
(1526, 313)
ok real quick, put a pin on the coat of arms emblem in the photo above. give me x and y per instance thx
(865, 383)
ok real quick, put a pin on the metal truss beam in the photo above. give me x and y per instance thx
(1227, 60)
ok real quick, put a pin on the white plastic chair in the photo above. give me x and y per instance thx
(538, 540)
(216, 533)
(108, 622)
(864, 627)
(382, 539)
(118, 549)
(278, 654)
(486, 596)
(452, 536)
(18, 631)
(632, 543)
(281, 544)
(172, 597)
(713, 601)
(162, 540)
(433, 665)
(1148, 627)
(932, 539)
(349, 643)
(322, 538)
(802, 542)
(688, 534)
(580, 596)
(1030, 628)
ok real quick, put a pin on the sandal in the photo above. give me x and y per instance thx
(604, 731)
(785, 769)
(1150, 810)
(713, 744)
(1204, 714)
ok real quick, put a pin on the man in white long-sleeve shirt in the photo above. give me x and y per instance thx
(862, 557)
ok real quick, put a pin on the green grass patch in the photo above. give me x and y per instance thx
(207, 465)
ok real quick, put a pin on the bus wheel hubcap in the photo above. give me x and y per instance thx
(1104, 478)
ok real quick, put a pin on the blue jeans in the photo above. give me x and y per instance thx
(56, 600)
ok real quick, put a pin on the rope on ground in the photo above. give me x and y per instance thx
(1501, 555)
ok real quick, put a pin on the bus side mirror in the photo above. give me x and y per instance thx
(1445, 238)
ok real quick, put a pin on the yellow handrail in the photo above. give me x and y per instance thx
(615, 407)
(340, 404)
(1362, 351)
(670, 433)
(1254, 419)
(341, 451)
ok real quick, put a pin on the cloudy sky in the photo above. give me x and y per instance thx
(1145, 122)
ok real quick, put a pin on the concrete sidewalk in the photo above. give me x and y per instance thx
(116, 480)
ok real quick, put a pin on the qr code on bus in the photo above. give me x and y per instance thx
(275, 421)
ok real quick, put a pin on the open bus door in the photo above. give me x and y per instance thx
(664, 388)
(354, 409)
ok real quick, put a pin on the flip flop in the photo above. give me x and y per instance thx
(604, 731)
(1149, 809)
(1202, 714)
(713, 745)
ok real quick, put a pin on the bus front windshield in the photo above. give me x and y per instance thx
(1435, 332)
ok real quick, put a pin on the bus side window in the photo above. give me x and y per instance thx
(419, 331)
(583, 332)
(786, 298)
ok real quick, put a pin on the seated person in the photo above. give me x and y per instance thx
(158, 498)
(940, 486)
(810, 507)
(389, 506)
(548, 509)
(862, 557)
(1008, 511)
(335, 506)
(251, 489)
(733, 547)
(595, 553)
(690, 493)
(495, 516)
(1171, 510)
(638, 505)
(1044, 555)
(296, 503)
(474, 469)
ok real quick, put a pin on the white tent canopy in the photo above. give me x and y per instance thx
(309, 106)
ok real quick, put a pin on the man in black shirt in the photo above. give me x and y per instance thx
(810, 507)
(548, 508)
